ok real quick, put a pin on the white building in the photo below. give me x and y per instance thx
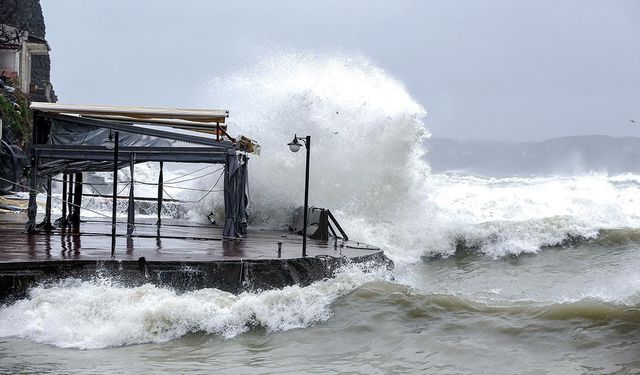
(15, 59)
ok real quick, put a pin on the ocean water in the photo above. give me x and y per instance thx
(493, 275)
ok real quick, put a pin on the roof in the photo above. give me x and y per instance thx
(200, 116)
(70, 138)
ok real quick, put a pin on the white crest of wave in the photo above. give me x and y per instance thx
(504, 216)
(373, 173)
(367, 132)
(99, 314)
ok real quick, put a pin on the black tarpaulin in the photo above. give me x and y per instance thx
(70, 133)
(236, 199)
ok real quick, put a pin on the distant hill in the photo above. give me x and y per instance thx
(561, 156)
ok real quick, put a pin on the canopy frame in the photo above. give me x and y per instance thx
(79, 149)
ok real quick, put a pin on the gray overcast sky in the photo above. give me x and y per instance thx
(510, 69)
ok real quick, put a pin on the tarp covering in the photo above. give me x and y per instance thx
(12, 161)
(71, 144)
(68, 133)
(236, 199)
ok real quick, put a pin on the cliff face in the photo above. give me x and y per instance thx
(24, 14)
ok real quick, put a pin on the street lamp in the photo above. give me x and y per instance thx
(294, 146)
(111, 143)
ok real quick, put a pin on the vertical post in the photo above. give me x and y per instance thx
(47, 211)
(131, 209)
(306, 197)
(63, 219)
(32, 209)
(70, 199)
(160, 194)
(77, 201)
(115, 196)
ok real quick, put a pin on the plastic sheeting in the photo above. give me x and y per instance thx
(68, 133)
(12, 162)
(236, 199)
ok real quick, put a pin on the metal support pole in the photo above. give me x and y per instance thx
(131, 208)
(46, 224)
(160, 194)
(70, 199)
(63, 219)
(115, 196)
(77, 201)
(306, 197)
(32, 209)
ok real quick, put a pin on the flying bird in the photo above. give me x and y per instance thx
(633, 121)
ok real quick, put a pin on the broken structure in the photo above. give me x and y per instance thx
(73, 139)
(18, 50)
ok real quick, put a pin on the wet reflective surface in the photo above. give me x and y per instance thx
(172, 241)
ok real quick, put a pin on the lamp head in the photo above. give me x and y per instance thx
(294, 145)
(110, 143)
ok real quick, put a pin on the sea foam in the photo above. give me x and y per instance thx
(100, 313)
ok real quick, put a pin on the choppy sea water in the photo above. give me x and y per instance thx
(493, 275)
(565, 310)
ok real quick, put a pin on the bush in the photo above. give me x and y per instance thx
(16, 119)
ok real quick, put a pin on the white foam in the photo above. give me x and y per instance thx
(98, 314)
(515, 215)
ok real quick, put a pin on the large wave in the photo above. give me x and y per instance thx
(369, 166)
(100, 313)
(510, 216)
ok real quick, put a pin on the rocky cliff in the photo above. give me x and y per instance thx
(24, 14)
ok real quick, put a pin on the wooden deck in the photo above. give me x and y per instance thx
(173, 241)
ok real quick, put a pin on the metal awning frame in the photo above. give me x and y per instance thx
(49, 159)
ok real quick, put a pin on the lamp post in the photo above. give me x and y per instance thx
(294, 146)
(111, 143)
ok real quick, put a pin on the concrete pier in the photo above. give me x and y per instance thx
(174, 255)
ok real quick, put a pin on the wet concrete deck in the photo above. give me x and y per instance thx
(176, 255)
(173, 241)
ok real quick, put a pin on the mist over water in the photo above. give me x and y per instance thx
(480, 261)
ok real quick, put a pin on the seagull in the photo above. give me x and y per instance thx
(633, 121)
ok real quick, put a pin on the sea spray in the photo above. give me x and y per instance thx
(369, 166)
(367, 159)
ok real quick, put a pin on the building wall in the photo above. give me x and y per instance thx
(8, 60)
(27, 14)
